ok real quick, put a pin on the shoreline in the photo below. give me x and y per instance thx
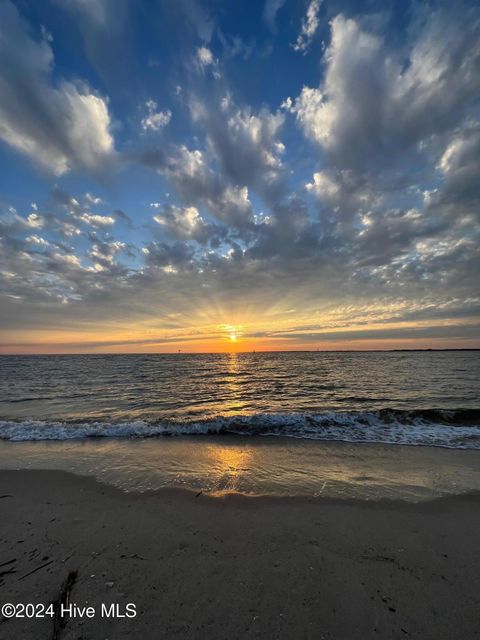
(238, 566)
(257, 466)
(236, 498)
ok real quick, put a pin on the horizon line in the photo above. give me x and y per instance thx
(253, 351)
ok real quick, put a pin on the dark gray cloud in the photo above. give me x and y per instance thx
(449, 332)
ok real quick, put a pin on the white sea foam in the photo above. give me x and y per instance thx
(452, 429)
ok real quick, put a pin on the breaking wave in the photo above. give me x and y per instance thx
(456, 429)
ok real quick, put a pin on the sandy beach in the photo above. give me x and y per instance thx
(236, 567)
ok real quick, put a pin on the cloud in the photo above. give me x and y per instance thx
(323, 186)
(204, 58)
(35, 221)
(245, 143)
(102, 255)
(170, 257)
(49, 258)
(460, 168)
(155, 120)
(375, 103)
(359, 208)
(38, 240)
(121, 215)
(310, 25)
(59, 127)
(184, 223)
(92, 200)
(235, 46)
(96, 220)
(194, 181)
(270, 10)
(197, 17)
(98, 12)
(400, 333)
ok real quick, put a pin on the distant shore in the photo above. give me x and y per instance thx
(203, 353)
(236, 567)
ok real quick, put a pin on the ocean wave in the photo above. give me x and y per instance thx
(457, 429)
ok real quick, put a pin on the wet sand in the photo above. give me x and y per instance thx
(235, 567)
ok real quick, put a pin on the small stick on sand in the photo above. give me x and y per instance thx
(6, 573)
(35, 570)
(3, 564)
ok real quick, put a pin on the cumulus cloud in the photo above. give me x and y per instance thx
(155, 120)
(55, 257)
(96, 220)
(375, 101)
(194, 181)
(245, 143)
(204, 58)
(170, 257)
(323, 185)
(460, 167)
(38, 240)
(102, 254)
(310, 25)
(59, 126)
(184, 223)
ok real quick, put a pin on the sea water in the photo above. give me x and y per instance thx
(308, 423)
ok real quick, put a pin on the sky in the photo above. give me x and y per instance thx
(229, 176)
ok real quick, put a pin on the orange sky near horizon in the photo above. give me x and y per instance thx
(216, 327)
(234, 342)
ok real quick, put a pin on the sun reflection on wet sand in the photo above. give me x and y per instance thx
(229, 465)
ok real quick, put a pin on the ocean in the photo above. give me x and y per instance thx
(429, 398)
(296, 423)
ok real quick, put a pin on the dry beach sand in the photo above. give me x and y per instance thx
(236, 567)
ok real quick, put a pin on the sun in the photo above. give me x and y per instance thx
(232, 335)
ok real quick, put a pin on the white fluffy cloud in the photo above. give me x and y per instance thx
(375, 101)
(323, 185)
(182, 223)
(195, 181)
(96, 220)
(155, 120)
(60, 127)
(204, 57)
(245, 142)
(310, 25)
